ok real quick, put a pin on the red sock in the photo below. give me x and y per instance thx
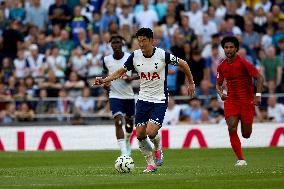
(236, 145)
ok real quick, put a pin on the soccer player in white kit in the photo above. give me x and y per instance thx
(151, 63)
(121, 95)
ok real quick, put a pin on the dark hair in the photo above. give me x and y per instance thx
(116, 35)
(231, 39)
(145, 32)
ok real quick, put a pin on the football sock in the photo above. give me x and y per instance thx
(236, 145)
(157, 142)
(147, 151)
(122, 145)
(127, 136)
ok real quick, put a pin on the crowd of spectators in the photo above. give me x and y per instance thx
(50, 50)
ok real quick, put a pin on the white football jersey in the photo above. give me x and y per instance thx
(119, 88)
(153, 73)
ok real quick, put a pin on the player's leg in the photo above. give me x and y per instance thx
(153, 126)
(141, 119)
(129, 107)
(232, 123)
(115, 105)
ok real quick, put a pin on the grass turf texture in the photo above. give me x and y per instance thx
(199, 168)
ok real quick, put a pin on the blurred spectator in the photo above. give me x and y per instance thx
(271, 68)
(161, 40)
(192, 114)
(188, 32)
(43, 105)
(57, 63)
(95, 66)
(262, 115)
(25, 113)
(87, 9)
(205, 29)
(266, 39)
(216, 113)
(43, 44)
(63, 105)
(108, 16)
(51, 84)
(260, 20)
(96, 22)
(4, 96)
(232, 13)
(32, 88)
(17, 12)
(172, 114)
(213, 61)
(8, 115)
(170, 26)
(275, 109)
(84, 104)
(194, 15)
(207, 50)
(74, 85)
(12, 39)
(251, 38)
(78, 62)
(198, 68)
(54, 36)
(6, 69)
(126, 18)
(161, 8)
(77, 24)
(3, 22)
(105, 47)
(65, 45)
(205, 90)
(265, 4)
(147, 17)
(37, 15)
(36, 62)
(220, 8)
(11, 86)
(59, 13)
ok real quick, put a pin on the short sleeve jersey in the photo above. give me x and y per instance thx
(119, 88)
(239, 79)
(153, 73)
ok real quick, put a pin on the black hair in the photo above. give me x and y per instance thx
(113, 36)
(231, 39)
(145, 32)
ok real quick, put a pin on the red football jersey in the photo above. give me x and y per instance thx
(239, 78)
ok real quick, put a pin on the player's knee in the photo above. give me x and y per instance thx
(232, 129)
(246, 134)
(152, 134)
(118, 121)
(128, 125)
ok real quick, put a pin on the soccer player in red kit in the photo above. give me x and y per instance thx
(240, 100)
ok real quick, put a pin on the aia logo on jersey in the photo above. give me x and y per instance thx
(149, 76)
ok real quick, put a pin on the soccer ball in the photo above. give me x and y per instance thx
(124, 164)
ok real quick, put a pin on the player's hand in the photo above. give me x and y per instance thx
(106, 85)
(223, 96)
(98, 81)
(191, 89)
(257, 100)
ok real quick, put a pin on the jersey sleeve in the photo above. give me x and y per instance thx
(128, 65)
(171, 59)
(105, 70)
(220, 77)
(250, 68)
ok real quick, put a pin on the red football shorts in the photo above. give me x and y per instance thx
(244, 110)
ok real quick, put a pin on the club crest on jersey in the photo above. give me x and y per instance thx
(149, 76)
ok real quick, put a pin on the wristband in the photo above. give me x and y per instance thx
(257, 94)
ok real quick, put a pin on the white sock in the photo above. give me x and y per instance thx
(127, 137)
(122, 146)
(147, 151)
(157, 142)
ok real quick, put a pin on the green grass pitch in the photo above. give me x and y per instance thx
(198, 168)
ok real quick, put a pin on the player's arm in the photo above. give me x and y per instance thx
(259, 85)
(115, 75)
(219, 85)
